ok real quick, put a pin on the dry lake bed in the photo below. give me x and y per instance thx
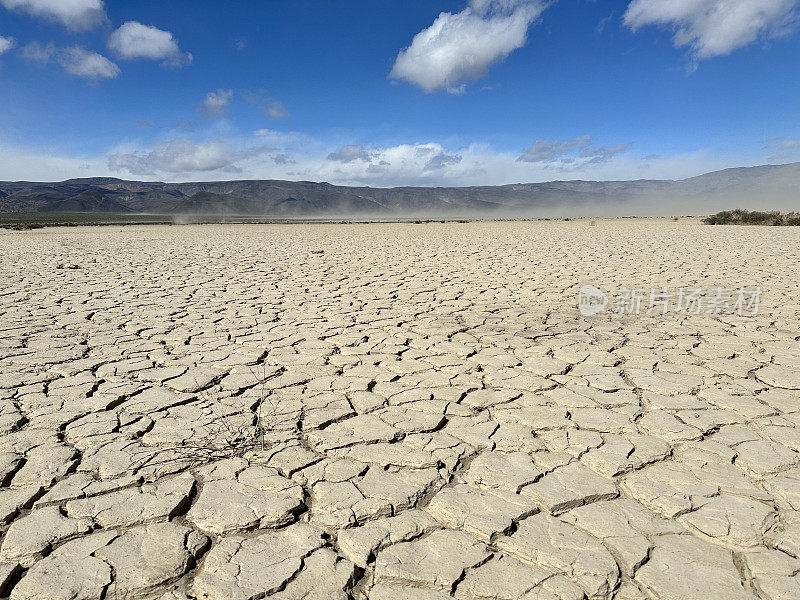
(401, 411)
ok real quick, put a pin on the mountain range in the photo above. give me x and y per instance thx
(769, 187)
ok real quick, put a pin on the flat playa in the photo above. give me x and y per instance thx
(397, 411)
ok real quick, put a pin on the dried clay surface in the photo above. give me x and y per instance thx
(396, 411)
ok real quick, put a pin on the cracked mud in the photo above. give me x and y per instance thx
(396, 411)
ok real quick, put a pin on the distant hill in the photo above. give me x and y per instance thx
(771, 187)
(206, 203)
(89, 201)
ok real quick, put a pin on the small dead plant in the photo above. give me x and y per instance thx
(226, 436)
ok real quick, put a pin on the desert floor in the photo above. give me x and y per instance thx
(397, 411)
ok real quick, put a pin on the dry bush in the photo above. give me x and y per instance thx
(746, 217)
(226, 436)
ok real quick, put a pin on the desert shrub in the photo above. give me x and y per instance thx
(22, 226)
(747, 217)
(792, 220)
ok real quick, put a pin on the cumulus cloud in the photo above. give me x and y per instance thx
(260, 157)
(399, 165)
(405, 164)
(216, 103)
(435, 157)
(77, 15)
(548, 150)
(6, 44)
(74, 60)
(182, 155)
(712, 28)
(462, 47)
(441, 160)
(85, 63)
(348, 154)
(410, 164)
(476, 164)
(402, 165)
(134, 40)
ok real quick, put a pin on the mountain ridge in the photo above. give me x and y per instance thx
(768, 186)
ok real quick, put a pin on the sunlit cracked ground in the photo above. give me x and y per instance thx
(396, 411)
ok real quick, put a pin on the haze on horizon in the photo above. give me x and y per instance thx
(420, 93)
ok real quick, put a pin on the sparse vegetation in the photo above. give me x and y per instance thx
(229, 435)
(22, 226)
(746, 217)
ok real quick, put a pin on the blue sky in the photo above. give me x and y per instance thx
(412, 92)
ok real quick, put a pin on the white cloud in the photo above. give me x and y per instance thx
(715, 27)
(547, 150)
(461, 47)
(85, 63)
(441, 160)
(184, 159)
(36, 52)
(77, 15)
(303, 158)
(348, 154)
(432, 164)
(424, 158)
(6, 44)
(216, 103)
(134, 41)
(74, 60)
(183, 156)
(405, 164)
